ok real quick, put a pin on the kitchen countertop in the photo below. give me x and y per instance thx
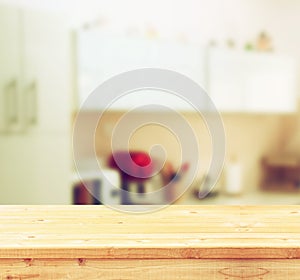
(178, 242)
(250, 198)
(175, 232)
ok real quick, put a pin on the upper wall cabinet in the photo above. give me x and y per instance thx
(34, 71)
(9, 68)
(237, 81)
(241, 81)
(101, 55)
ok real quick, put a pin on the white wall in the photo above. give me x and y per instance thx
(200, 20)
(195, 20)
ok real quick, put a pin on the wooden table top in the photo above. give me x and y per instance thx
(177, 231)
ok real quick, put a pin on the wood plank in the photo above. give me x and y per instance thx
(183, 269)
(173, 232)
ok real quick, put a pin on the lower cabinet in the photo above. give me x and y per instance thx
(35, 169)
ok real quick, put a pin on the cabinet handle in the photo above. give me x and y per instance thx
(11, 103)
(31, 103)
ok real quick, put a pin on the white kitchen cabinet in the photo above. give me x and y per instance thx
(186, 58)
(241, 81)
(101, 55)
(35, 169)
(271, 85)
(35, 162)
(9, 69)
(46, 71)
(35, 46)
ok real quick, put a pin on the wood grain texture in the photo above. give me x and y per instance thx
(176, 232)
(183, 269)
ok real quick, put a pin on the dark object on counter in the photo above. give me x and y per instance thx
(202, 195)
(87, 193)
(281, 173)
(173, 179)
(134, 166)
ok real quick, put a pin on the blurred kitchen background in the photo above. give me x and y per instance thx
(53, 53)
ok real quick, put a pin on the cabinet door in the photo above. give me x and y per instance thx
(35, 170)
(226, 80)
(35, 165)
(186, 59)
(101, 56)
(270, 85)
(46, 63)
(47, 103)
(52, 171)
(18, 175)
(9, 69)
(242, 81)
